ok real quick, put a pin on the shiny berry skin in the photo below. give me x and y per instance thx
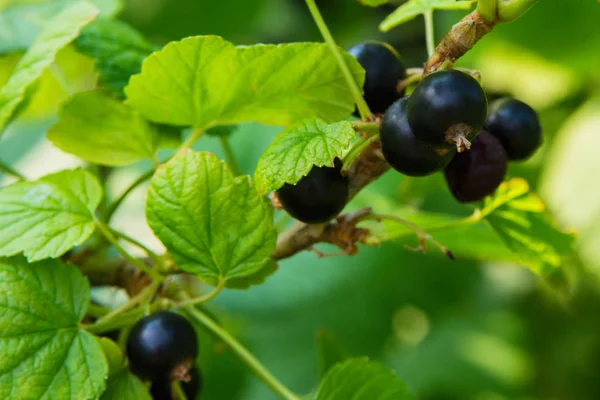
(383, 71)
(161, 389)
(516, 125)
(403, 151)
(477, 173)
(317, 197)
(443, 100)
(162, 345)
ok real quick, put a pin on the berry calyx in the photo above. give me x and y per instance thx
(162, 345)
(383, 69)
(516, 125)
(447, 106)
(317, 197)
(477, 173)
(403, 151)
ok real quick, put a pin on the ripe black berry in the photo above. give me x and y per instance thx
(162, 346)
(447, 106)
(403, 151)
(161, 389)
(317, 197)
(477, 173)
(516, 125)
(383, 71)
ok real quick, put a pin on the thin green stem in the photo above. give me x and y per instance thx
(229, 156)
(112, 207)
(8, 170)
(106, 231)
(429, 32)
(195, 135)
(155, 257)
(366, 127)
(202, 299)
(178, 391)
(127, 318)
(97, 311)
(361, 104)
(487, 9)
(242, 353)
(147, 292)
(359, 146)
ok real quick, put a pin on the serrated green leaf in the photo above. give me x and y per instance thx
(361, 379)
(43, 352)
(113, 354)
(256, 278)
(99, 128)
(47, 217)
(118, 49)
(215, 226)
(295, 151)
(59, 32)
(125, 386)
(205, 81)
(414, 8)
(22, 20)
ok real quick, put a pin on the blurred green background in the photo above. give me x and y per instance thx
(450, 330)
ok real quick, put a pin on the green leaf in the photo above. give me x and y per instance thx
(48, 217)
(330, 351)
(22, 20)
(113, 354)
(125, 386)
(414, 8)
(43, 352)
(361, 379)
(373, 3)
(294, 152)
(98, 128)
(205, 81)
(118, 49)
(215, 226)
(59, 32)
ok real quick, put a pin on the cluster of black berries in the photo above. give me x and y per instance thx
(163, 347)
(443, 125)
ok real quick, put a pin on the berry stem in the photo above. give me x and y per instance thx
(229, 156)
(178, 392)
(361, 104)
(112, 207)
(358, 148)
(9, 171)
(242, 353)
(106, 231)
(202, 299)
(487, 9)
(124, 319)
(429, 32)
(155, 257)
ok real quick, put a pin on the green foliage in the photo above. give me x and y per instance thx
(49, 216)
(414, 8)
(103, 130)
(123, 386)
(373, 3)
(59, 32)
(43, 352)
(294, 152)
(215, 225)
(118, 49)
(205, 81)
(113, 354)
(361, 379)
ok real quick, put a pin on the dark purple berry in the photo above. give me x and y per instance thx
(447, 106)
(162, 345)
(317, 197)
(403, 151)
(383, 71)
(516, 125)
(477, 173)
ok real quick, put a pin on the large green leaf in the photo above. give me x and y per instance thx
(360, 379)
(215, 226)
(205, 81)
(43, 353)
(98, 128)
(118, 49)
(22, 20)
(47, 217)
(125, 386)
(294, 152)
(414, 8)
(59, 32)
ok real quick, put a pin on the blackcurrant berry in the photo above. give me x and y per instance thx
(447, 106)
(162, 346)
(161, 389)
(403, 151)
(477, 173)
(317, 197)
(516, 125)
(383, 71)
